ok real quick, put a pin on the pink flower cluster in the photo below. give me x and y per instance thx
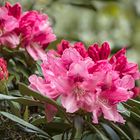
(3, 69)
(30, 30)
(86, 79)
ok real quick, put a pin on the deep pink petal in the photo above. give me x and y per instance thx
(93, 52)
(79, 46)
(104, 51)
(64, 44)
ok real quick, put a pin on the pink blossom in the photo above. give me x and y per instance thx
(92, 83)
(30, 30)
(35, 29)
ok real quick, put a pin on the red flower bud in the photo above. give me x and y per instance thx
(80, 47)
(3, 69)
(62, 46)
(93, 52)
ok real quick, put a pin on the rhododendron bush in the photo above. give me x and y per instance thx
(71, 92)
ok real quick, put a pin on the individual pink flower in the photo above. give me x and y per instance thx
(3, 69)
(35, 29)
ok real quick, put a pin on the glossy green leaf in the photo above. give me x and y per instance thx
(95, 129)
(120, 131)
(133, 102)
(112, 134)
(21, 100)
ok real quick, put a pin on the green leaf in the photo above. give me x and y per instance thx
(112, 134)
(39, 70)
(120, 131)
(15, 108)
(21, 100)
(135, 116)
(27, 91)
(133, 102)
(123, 110)
(24, 123)
(53, 128)
(95, 129)
(39, 121)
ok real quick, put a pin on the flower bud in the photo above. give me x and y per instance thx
(93, 52)
(79, 46)
(104, 51)
(3, 70)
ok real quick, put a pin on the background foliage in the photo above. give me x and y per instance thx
(117, 21)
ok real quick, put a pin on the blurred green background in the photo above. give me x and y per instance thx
(115, 21)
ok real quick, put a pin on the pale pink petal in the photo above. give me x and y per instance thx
(11, 40)
(111, 113)
(69, 102)
(127, 82)
(39, 84)
(71, 55)
(32, 52)
(95, 115)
